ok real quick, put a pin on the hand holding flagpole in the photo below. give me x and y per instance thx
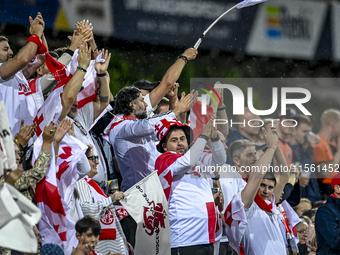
(240, 5)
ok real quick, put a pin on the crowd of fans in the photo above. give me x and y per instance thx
(246, 208)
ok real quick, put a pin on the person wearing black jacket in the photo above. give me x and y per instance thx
(327, 220)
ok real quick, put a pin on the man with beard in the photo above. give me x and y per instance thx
(84, 117)
(186, 180)
(131, 134)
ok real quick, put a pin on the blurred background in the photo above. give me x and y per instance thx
(275, 39)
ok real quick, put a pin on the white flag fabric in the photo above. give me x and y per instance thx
(293, 220)
(197, 120)
(52, 107)
(247, 3)
(7, 153)
(56, 224)
(37, 92)
(18, 216)
(236, 222)
(71, 150)
(88, 94)
(147, 205)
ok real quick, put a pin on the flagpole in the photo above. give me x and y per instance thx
(197, 44)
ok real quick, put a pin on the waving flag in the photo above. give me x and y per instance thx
(37, 92)
(55, 190)
(197, 120)
(147, 205)
(240, 5)
(71, 150)
(236, 222)
(88, 94)
(247, 3)
(51, 108)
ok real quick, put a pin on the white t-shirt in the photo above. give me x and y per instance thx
(263, 234)
(149, 109)
(18, 99)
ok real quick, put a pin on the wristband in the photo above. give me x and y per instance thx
(95, 49)
(101, 74)
(184, 58)
(81, 69)
(36, 39)
(204, 137)
(70, 52)
(214, 140)
(272, 148)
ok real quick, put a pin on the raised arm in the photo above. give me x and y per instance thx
(26, 54)
(47, 81)
(103, 85)
(81, 25)
(193, 155)
(171, 76)
(262, 165)
(282, 176)
(72, 88)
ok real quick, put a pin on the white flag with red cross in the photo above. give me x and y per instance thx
(236, 222)
(52, 107)
(147, 205)
(55, 190)
(88, 94)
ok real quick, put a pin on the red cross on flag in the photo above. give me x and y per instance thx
(236, 222)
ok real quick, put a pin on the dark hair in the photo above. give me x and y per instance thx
(86, 223)
(167, 136)
(270, 176)
(60, 51)
(237, 147)
(54, 54)
(3, 38)
(123, 99)
(302, 119)
(89, 149)
(318, 204)
(310, 213)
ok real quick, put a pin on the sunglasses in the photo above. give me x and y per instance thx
(82, 129)
(94, 158)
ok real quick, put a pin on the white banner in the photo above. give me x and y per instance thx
(147, 205)
(289, 29)
(7, 153)
(18, 216)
